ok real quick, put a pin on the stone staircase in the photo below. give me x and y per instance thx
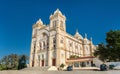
(47, 68)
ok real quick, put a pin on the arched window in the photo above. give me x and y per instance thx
(54, 43)
(44, 44)
(44, 34)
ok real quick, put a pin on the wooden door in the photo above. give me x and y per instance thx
(42, 62)
(53, 62)
(32, 63)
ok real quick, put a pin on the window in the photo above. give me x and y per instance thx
(40, 45)
(54, 40)
(42, 56)
(87, 62)
(71, 44)
(39, 57)
(34, 47)
(76, 64)
(54, 46)
(54, 23)
(82, 64)
(87, 48)
(61, 41)
(76, 47)
(44, 34)
(61, 24)
(47, 44)
(54, 43)
(44, 44)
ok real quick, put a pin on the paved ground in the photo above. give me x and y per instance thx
(60, 72)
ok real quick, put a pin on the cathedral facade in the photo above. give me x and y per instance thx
(51, 45)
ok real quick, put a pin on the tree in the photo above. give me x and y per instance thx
(22, 61)
(113, 43)
(101, 52)
(110, 51)
(0, 65)
(10, 61)
(13, 61)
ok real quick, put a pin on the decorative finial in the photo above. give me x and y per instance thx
(85, 35)
(76, 30)
(57, 9)
(91, 39)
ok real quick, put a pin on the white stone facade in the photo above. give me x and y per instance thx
(51, 45)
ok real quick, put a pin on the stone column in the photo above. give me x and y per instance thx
(49, 51)
(57, 51)
(91, 50)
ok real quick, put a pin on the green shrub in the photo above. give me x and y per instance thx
(62, 65)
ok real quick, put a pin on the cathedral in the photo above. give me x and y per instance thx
(51, 45)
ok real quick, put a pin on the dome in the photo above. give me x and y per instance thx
(78, 36)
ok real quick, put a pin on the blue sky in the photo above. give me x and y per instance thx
(94, 17)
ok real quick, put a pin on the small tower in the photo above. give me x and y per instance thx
(36, 27)
(57, 20)
(57, 30)
(38, 24)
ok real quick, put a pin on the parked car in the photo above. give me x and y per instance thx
(103, 67)
(117, 67)
(69, 68)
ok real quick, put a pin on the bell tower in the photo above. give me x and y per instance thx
(57, 30)
(57, 20)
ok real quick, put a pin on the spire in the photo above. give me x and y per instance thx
(76, 30)
(91, 39)
(57, 11)
(85, 35)
(39, 22)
